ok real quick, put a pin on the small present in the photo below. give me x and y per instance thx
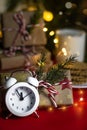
(62, 93)
(21, 60)
(63, 98)
(14, 26)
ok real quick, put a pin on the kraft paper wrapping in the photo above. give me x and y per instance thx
(18, 60)
(11, 62)
(65, 97)
(10, 27)
(19, 75)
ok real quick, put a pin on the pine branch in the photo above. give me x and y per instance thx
(68, 61)
(58, 72)
(55, 75)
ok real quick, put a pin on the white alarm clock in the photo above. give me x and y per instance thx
(22, 98)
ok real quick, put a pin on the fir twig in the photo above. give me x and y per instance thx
(58, 72)
(70, 60)
(55, 75)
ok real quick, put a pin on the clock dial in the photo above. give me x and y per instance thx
(22, 99)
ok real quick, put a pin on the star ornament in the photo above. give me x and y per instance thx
(66, 84)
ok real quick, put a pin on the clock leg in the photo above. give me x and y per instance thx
(8, 116)
(36, 114)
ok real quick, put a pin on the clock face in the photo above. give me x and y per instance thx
(22, 99)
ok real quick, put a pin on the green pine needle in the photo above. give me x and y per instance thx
(56, 73)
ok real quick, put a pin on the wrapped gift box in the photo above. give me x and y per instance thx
(10, 29)
(19, 59)
(64, 96)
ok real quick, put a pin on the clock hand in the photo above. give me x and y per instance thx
(27, 94)
(20, 95)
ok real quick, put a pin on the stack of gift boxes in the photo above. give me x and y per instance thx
(15, 36)
(30, 50)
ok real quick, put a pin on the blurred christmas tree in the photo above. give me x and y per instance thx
(56, 13)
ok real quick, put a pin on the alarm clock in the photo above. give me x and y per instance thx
(22, 98)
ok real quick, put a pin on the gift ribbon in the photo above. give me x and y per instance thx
(20, 20)
(27, 52)
(12, 50)
(66, 83)
(22, 31)
(51, 89)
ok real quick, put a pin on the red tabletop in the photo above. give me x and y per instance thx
(67, 118)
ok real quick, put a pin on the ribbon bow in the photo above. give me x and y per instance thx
(65, 83)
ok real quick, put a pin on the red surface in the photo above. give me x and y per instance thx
(72, 118)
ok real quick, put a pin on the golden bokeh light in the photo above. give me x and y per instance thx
(45, 29)
(47, 16)
(51, 33)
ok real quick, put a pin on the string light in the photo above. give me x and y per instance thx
(64, 51)
(56, 40)
(68, 5)
(48, 16)
(81, 92)
(50, 109)
(51, 33)
(81, 99)
(76, 104)
(60, 13)
(63, 108)
(45, 29)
